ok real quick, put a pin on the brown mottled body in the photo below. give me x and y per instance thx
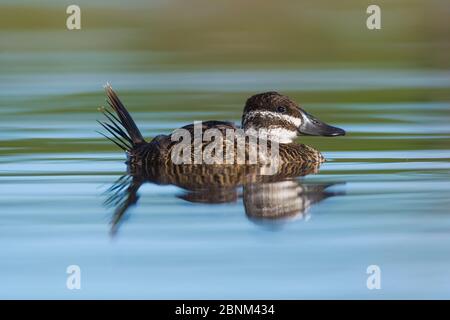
(159, 150)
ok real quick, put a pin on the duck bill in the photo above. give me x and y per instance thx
(314, 127)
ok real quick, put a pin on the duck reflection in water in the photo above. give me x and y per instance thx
(266, 198)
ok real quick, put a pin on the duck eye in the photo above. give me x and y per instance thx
(281, 109)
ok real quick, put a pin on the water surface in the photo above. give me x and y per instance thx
(389, 177)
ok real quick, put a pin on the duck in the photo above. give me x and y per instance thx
(274, 116)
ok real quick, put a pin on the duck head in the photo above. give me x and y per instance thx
(281, 119)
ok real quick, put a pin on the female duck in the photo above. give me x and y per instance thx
(271, 114)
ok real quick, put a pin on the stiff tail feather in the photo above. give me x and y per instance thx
(125, 133)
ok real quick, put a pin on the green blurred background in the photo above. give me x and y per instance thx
(248, 34)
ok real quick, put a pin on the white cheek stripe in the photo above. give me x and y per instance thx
(295, 121)
(281, 135)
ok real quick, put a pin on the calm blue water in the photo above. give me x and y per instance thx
(389, 184)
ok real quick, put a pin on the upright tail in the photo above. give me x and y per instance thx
(121, 125)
